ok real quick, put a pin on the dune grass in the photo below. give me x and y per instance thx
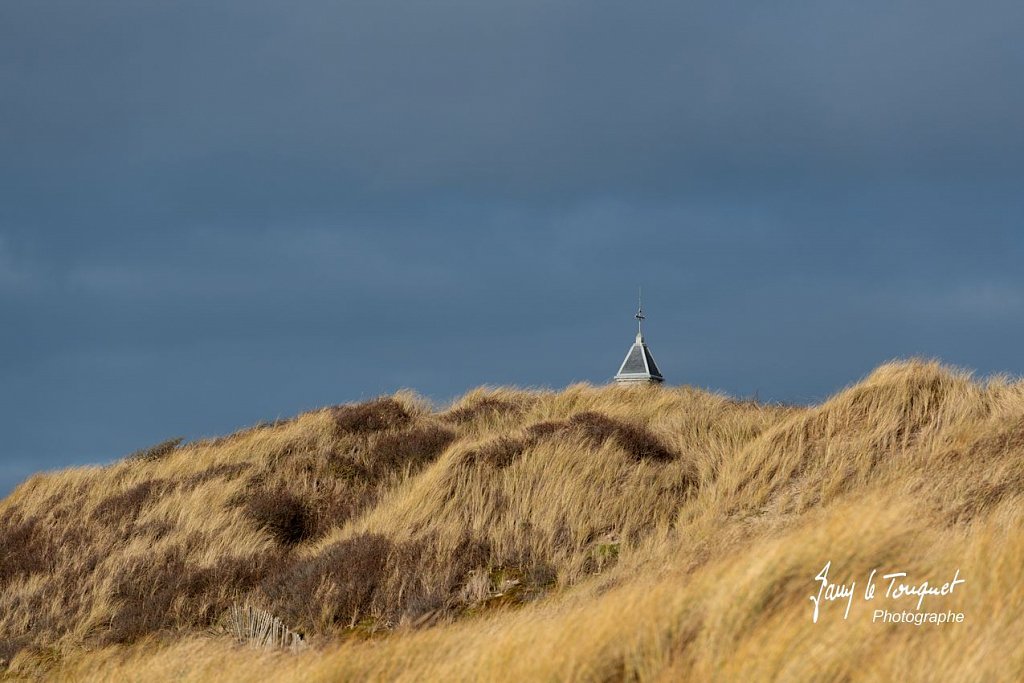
(593, 534)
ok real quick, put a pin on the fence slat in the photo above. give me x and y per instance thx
(262, 630)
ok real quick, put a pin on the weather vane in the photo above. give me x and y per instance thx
(639, 309)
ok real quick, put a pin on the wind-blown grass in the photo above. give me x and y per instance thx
(597, 533)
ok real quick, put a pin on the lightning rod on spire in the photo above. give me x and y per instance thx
(639, 309)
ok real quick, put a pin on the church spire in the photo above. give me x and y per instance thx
(639, 314)
(639, 365)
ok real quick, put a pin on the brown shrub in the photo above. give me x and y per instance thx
(333, 588)
(167, 592)
(334, 510)
(423, 577)
(540, 430)
(500, 452)
(370, 577)
(346, 465)
(338, 485)
(638, 442)
(415, 447)
(9, 647)
(158, 451)
(283, 514)
(65, 556)
(126, 505)
(485, 406)
(595, 426)
(343, 488)
(642, 445)
(222, 471)
(372, 416)
(23, 550)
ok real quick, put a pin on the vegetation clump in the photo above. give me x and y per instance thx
(283, 514)
(610, 532)
(485, 406)
(160, 450)
(412, 447)
(370, 417)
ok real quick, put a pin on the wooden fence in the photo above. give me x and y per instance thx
(262, 630)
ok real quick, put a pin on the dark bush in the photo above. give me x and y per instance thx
(158, 451)
(24, 550)
(126, 506)
(143, 594)
(486, 405)
(349, 469)
(9, 647)
(423, 577)
(540, 430)
(372, 416)
(65, 557)
(370, 576)
(415, 446)
(333, 510)
(542, 575)
(333, 588)
(595, 426)
(505, 450)
(639, 443)
(222, 471)
(168, 592)
(281, 513)
(500, 452)
(642, 445)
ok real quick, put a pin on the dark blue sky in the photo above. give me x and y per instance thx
(214, 212)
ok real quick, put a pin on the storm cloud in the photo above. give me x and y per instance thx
(213, 212)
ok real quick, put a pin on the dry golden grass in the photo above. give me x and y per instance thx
(593, 534)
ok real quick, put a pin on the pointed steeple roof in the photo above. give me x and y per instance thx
(639, 365)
